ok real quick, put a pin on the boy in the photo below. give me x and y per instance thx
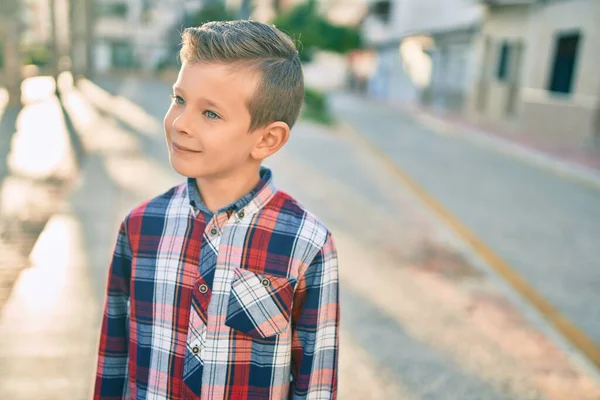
(224, 287)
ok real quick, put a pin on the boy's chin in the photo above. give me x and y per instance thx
(189, 171)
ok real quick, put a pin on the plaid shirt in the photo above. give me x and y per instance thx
(241, 306)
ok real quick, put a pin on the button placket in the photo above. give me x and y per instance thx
(212, 230)
(203, 293)
(239, 216)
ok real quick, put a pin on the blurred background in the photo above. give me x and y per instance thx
(452, 146)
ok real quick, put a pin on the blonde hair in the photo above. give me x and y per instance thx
(260, 48)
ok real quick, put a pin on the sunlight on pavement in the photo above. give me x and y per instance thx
(24, 200)
(48, 327)
(58, 245)
(135, 173)
(122, 153)
(96, 132)
(65, 81)
(120, 107)
(41, 146)
(38, 88)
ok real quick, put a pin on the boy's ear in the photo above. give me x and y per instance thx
(270, 139)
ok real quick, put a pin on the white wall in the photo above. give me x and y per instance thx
(565, 16)
(422, 16)
(413, 17)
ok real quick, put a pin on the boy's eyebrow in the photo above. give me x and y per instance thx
(208, 101)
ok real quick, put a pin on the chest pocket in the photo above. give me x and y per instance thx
(259, 304)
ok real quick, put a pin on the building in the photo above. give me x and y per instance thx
(425, 50)
(135, 33)
(539, 64)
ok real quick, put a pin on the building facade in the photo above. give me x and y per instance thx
(134, 34)
(425, 50)
(539, 64)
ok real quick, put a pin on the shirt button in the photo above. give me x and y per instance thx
(265, 282)
(241, 214)
(203, 288)
(195, 349)
(213, 231)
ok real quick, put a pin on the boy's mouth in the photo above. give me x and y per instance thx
(177, 147)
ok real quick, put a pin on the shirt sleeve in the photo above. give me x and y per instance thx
(315, 325)
(111, 373)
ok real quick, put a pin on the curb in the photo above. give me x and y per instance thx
(536, 158)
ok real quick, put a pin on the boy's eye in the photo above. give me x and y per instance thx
(210, 114)
(178, 99)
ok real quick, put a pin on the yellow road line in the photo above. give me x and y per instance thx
(575, 335)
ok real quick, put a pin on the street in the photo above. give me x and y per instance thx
(423, 317)
(546, 227)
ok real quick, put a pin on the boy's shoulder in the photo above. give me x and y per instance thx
(298, 217)
(160, 205)
(283, 213)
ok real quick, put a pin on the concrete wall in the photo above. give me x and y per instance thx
(453, 69)
(571, 118)
(397, 74)
(411, 17)
(489, 96)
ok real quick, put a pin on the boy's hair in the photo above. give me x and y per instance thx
(260, 48)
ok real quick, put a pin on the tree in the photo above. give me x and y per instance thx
(81, 29)
(314, 32)
(9, 28)
(213, 11)
(53, 40)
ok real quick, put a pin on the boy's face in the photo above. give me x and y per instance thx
(207, 123)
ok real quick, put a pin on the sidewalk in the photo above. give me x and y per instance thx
(407, 283)
(38, 165)
(50, 325)
(579, 163)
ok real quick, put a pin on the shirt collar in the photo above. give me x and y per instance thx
(256, 195)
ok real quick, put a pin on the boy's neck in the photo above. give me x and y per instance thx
(217, 193)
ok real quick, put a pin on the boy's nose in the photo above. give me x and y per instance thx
(180, 125)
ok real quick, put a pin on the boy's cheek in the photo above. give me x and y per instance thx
(168, 120)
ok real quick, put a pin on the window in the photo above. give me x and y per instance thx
(563, 68)
(122, 55)
(118, 10)
(504, 62)
(381, 9)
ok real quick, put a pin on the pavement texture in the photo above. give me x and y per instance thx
(420, 318)
(544, 226)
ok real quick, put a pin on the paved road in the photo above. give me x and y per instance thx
(419, 320)
(345, 187)
(546, 227)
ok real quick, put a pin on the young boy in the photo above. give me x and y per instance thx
(224, 287)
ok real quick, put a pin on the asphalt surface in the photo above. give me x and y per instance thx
(545, 227)
(419, 319)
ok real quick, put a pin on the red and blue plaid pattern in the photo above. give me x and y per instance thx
(262, 324)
